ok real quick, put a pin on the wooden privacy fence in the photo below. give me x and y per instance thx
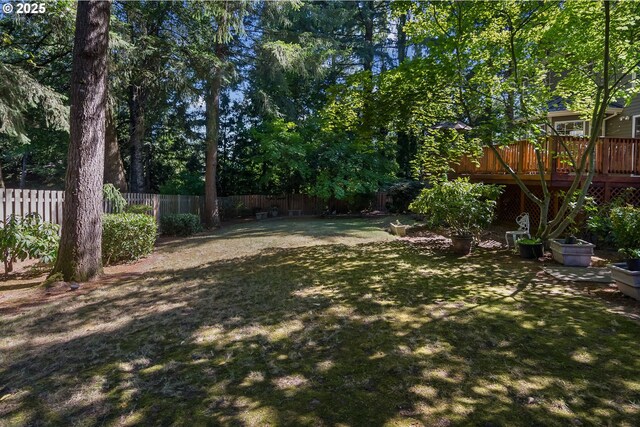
(244, 205)
(48, 204)
(612, 156)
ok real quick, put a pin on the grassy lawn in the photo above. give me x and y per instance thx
(321, 322)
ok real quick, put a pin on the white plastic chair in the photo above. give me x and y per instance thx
(523, 230)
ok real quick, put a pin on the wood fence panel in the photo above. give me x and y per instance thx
(48, 204)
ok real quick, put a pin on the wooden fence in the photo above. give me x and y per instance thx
(48, 204)
(244, 205)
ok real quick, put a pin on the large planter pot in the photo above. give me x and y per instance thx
(633, 264)
(531, 251)
(628, 281)
(399, 230)
(462, 245)
(575, 254)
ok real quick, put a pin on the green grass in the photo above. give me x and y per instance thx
(309, 322)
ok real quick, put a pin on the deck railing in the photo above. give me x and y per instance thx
(619, 156)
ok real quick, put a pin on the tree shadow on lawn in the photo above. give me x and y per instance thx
(362, 335)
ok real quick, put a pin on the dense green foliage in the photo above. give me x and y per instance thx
(127, 237)
(333, 99)
(139, 209)
(625, 224)
(27, 237)
(466, 208)
(180, 224)
(114, 198)
(402, 194)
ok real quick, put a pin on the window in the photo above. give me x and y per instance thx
(571, 128)
(635, 127)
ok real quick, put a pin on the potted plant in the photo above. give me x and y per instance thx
(530, 248)
(625, 225)
(465, 208)
(572, 251)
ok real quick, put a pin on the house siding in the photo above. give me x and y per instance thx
(622, 128)
(570, 118)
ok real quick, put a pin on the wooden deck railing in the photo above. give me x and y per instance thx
(619, 156)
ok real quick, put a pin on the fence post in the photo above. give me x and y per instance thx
(605, 146)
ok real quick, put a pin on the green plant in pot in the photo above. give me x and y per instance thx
(625, 225)
(530, 248)
(465, 208)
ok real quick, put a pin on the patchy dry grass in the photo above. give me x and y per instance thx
(321, 323)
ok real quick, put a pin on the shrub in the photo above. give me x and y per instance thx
(113, 196)
(180, 224)
(127, 237)
(27, 237)
(465, 207)
(402, 194)
(625, 224)
(139, 209)
(598, 221)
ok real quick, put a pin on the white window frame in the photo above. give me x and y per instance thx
(633, 125)
(584, 125)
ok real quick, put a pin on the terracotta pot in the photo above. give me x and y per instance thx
(462, 245)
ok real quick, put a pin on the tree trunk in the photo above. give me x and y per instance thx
(368, 57)
(113, 166)
(212, 101)
(1, 179)
(23, 171)
(136, 138)
(402, 38)
(80, 254)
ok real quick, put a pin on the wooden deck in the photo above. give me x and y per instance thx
(617, 162)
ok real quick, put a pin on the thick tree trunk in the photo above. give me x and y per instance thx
(113, 166)
(212, 101)
(80, 254)
(136, 138)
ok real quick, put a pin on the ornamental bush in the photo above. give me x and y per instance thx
(466, 208)
(127, 237)
(180, 224)
(139, 209)
(625, 225)
(27, 237)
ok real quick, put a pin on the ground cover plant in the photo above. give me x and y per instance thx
(320, 322)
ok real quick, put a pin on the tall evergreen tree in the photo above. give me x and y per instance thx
(80, 253)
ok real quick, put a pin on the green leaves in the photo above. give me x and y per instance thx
(27, 237)
(625, 222)
(465, 207)
(127, 237)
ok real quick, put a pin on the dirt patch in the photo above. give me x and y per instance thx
(24, 287)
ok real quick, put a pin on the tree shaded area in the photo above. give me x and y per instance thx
(346, 332)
